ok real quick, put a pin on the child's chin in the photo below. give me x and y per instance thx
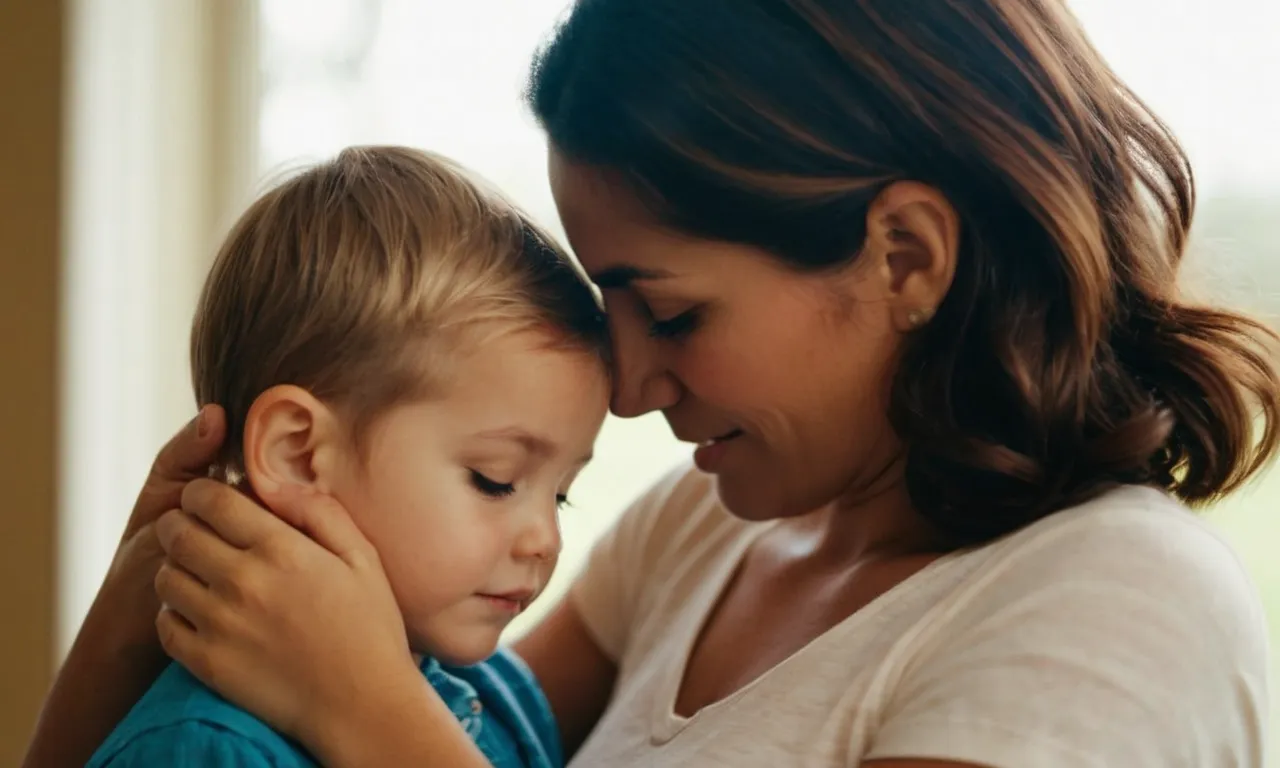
(456, 649)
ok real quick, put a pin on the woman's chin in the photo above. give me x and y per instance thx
(756, 500)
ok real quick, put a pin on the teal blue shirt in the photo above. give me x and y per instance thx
(181, 722)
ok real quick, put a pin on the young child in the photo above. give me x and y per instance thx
(382, 330)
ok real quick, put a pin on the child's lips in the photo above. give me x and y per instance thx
(510, 602)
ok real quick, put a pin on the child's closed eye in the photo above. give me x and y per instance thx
(490, 487)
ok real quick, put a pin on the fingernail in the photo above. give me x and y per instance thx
(202, 423)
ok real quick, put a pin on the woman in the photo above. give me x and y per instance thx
(906, 272)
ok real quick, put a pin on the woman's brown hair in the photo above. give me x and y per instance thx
(1063, 360)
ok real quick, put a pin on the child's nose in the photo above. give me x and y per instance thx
(539, 538)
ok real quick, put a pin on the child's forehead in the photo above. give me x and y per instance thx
(539, 445)
(546, 381)
(519, 390)
(527, 358)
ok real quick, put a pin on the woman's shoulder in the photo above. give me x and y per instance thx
(1147, 526)
(1130, 542)
(1123, 631)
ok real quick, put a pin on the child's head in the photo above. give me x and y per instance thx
(381, 329)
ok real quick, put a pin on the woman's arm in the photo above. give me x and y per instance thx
(576, 676)
(1125, 633)
(116, 655)
(113, 661)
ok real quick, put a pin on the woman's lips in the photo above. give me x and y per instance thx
(710, 455)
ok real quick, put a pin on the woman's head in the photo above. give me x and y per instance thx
(939, 231)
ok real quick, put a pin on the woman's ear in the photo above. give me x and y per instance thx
(913, 240)
(291, 439)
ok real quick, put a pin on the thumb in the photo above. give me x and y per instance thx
(323, 520)
(189, 453)
(185, 457)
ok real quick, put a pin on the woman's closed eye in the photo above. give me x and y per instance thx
(675, 327)
(490, 487)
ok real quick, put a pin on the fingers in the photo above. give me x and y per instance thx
(298, 514)
(180, 640)
(325, 521)
(196, 549)
(182, 593)
(238, 519)
(189, 453)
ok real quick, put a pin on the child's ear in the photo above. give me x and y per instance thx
(291, 439)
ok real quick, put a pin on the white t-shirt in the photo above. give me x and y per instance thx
(1121, 633)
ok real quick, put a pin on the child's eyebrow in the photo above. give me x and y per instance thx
(535, 444)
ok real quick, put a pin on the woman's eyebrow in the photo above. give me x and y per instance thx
(624, 275)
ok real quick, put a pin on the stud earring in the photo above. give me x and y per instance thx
(918, 317)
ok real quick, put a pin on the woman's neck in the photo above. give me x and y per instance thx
(876, 521)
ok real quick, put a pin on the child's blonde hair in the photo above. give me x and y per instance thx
(358, 278)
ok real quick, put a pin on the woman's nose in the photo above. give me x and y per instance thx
(642, 382)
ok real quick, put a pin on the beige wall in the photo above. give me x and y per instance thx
(196, 113)
(31, 53)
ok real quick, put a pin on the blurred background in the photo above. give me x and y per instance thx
(133, 131)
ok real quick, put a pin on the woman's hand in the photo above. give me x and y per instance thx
(128, 583)
(116, 655)
(303, 632)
